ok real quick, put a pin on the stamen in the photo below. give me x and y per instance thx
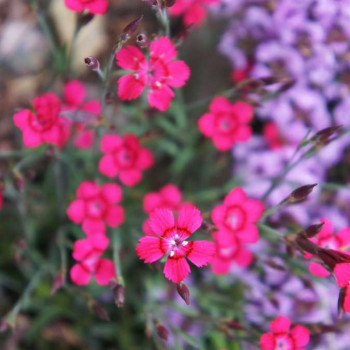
(184, 243)
(172, 253)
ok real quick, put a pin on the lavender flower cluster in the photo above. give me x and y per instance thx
(307, 41)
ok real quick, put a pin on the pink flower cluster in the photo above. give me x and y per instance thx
(158, 74)
(281, 337)
(48, 122)
(226, 123)
(235, 220)
(87, 252)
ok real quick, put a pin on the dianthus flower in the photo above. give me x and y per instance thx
(326, 239)
(226, 123)
(170, 238)
(169, 197)
(342, 274)
(74, 93)
(228, 252)
(88, 253)
(97, 7)
(44, 125)
(159, 74)
(236, 217)
(281, 337)
(96, 206)
(124, 157)
(193, 11)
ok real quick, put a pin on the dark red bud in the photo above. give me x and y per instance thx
(142, 41)
(59, 281)
(183, 292)
(286, 86)
(130, 29)
(92, 63)
(235, 326)
(300, 194)
(325, 136)
(162, 331)
(313, 230)
(99, 311)
(85, 17)
(118, 292)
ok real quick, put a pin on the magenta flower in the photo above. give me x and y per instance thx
(97, 7)
(229, 252)
(281, 337)
(74, 93)
(169, 197)
(226, 123)
(193, 11)
(236, 217)
(170, 238)
(124, 157)
(342, 274)
(88, 253)
(158, 74)
(45, 125)
(96, 206)
(326, 239)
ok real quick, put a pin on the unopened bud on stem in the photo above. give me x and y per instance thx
(162, 331)
(300, 194)
(183, 292)
(130, 29)
(118, 292)
(92, 63)
(142, 41)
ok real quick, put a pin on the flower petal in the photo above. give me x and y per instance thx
(200, 253)
(161, 220)
(280, 325)
(160, 98)
(176, 270)
(162, 48)
(267, 341)
(115, 216)
(301, 335)
(342, 274)
(130, 177)
(206, 124)
(74, 93)
(189, 218)
(130, 88)
(107, 166)
(104, 272)
(76, 211)
(130, 58)
(179, 74)
(80, 275)
(149, 249)
(112, 193)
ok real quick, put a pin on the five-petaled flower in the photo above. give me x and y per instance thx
(170, 239)
(97, 7)
(226, 123)
(193, 11)
(44, 125)
(326, 239)
(236, 217)
(282, 338)
(229, 251)
(159, 74)
(78, 110)
(124, 157)
(96, 206)
(88, 253)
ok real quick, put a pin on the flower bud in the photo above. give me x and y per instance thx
(118, 292)
(142, 41)
(341, 300)
(183, 292)
(313, 230)
(162, 331)
(130, 29)
(92, 63)
(58, 281)
(300, 194)
(325, 136)
(85, 17)
(99, 310)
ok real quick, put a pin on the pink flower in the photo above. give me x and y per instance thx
(229, 252)
(193, 11)
(170, 238)
(342, 274)
(87, 252)
(281, 337)
(272, 136)
(74, 95)
(159, 73)
(97, 7)
(326, 239)
(226, 123)
(236, 217)
(169, 197)
(45, 125)
(124, 157)
(96, 206)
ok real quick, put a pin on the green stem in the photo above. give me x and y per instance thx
(116, 256)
